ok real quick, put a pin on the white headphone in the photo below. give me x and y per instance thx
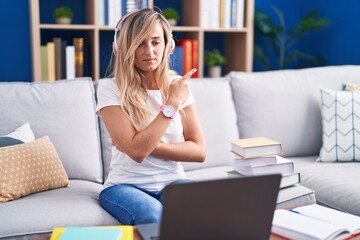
(117, 28)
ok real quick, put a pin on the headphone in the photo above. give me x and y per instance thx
(118, 26)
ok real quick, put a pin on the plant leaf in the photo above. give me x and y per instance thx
(261, 58)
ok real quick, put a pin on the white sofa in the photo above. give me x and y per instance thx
(284, 105)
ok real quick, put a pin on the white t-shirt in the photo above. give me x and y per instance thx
(153, 173)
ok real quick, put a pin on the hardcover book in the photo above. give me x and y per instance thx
(315, 222)
(282, 166)
(79, 56)
(240, 161)
(256, 147)
(286, 180)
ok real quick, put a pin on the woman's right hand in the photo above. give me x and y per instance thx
(179, 90)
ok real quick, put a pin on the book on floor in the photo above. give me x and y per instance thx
(315, 222)
(282, 166)
(286, 180)
(256, 147)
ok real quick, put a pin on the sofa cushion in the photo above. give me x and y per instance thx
(341, 125)
(41, 212)
(217, 115)
(64, 111)
(336, 184)
(28, 168)
(285, 105)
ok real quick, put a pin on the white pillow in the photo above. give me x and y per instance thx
(22, 133)
(340, 111)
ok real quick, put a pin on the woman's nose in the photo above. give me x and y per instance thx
(148, 48)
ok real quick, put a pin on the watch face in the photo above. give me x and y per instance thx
(168, 111)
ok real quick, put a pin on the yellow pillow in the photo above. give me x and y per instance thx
(29, 168)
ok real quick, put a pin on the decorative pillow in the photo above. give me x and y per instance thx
(8, 141)
(28, 168)
(351, 87)
(20, 135)
(340, 112)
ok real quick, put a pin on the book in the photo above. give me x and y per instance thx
(70, 62)
(127, 231)
(186, 45)
(263, 160)
(286, 180)
(255, 147)
(79, 56)
(240, 13)
(176, 60)
(58, 57)
(51, 61)
(282, 166)
(315, 222)
(195, 56)
(44, 63)
(63, 59)
(91, 233)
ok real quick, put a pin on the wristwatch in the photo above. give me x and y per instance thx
(168, 111)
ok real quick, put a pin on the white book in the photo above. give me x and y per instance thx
(100, 14)
(240, 13)
(117, 11)
(70, 62)
(204, 14)
(265, 160)
(315, 222)
(227, 15)
(282, 166)
(111, 13)
(214, 13)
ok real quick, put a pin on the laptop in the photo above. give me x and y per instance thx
(233, 208)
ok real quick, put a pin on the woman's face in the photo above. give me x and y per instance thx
(149, 53)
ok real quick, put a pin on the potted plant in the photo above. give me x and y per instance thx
(214, 60)
(274, 40)
(63, 15)
(171, 15)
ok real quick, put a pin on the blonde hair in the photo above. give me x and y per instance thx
(132, 31)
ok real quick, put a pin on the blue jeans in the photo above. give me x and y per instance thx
(132, 205)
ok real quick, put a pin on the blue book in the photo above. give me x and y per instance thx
(91, 233)
(176, 60)
(106, 12)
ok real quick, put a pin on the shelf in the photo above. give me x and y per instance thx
(237, 42)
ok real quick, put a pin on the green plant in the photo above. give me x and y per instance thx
(63, 12)
(170, 13)
(214, 58)
(281, 42)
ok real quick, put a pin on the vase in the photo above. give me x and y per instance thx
(215, 71)
(172, 22)
(63, 20)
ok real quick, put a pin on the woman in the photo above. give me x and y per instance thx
(151, 119)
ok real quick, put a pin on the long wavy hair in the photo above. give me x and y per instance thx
(132, 31)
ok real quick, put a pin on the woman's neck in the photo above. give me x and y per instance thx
(150, 82)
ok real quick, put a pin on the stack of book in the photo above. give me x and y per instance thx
(185, 57)
(62, 61)
(259, 156)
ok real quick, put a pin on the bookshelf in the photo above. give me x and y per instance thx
(238, 48)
